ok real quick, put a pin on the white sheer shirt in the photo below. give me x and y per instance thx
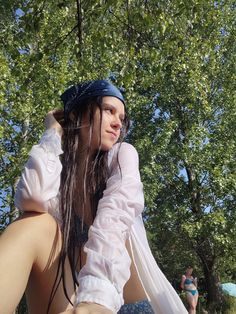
(118, 219)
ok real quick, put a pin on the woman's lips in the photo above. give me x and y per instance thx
(113, 134)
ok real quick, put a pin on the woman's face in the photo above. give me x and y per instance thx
(189, 271)
(113, 114)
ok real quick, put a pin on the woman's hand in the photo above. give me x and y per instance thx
(89, 308)
(53, 119)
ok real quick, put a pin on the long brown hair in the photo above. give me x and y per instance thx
(83, 181)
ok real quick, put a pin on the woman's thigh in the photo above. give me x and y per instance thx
(30, 249)
(196, 298)
(190, 298)
(45, 273)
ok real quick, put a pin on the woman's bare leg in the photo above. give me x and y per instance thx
(29, 250)
(196, 301)
(191, 302)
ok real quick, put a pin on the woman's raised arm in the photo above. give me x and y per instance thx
(38, 186)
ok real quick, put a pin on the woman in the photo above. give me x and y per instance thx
(80, 246)
(189, 284)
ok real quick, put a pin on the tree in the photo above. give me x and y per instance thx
(188, 147)
(176, 62)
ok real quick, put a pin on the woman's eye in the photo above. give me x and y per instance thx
(109, 110)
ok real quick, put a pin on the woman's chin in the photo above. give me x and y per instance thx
(107, 146)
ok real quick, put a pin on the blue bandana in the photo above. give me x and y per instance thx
(77, 93)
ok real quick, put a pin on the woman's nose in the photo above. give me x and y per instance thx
(117, 123)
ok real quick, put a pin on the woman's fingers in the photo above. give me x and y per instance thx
(89, 308)
(58, 114)
(75, 311)
(92, 308)
(54, 119)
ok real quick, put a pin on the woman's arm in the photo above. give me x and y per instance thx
(38, 186)
(107, 267)
(182, 281)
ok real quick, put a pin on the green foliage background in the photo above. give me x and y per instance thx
(176, 61)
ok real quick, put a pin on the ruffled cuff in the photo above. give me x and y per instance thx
(51, 142)
(96, 290)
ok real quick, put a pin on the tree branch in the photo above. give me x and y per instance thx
(79, 25)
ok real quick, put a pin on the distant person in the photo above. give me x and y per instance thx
(189, 284)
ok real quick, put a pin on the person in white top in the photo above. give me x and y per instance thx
(80, 245)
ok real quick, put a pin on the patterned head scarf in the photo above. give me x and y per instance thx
(77, 93)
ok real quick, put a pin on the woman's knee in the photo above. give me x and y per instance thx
(26, 248)
(39, 222)
(36, 231)
(192, 307)
(36, 224)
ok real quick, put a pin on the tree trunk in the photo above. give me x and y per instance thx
(214, 296)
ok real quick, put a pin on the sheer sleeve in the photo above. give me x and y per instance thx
(38, 187)
(107, 267)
